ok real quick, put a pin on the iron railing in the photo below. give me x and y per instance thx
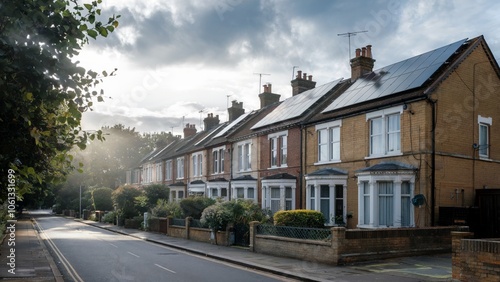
(179, 221)
(322, 234)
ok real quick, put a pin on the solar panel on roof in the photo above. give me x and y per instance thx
(395, 78)
(231, 125)
(296, 106)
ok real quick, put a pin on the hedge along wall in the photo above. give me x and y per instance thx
(356, 245)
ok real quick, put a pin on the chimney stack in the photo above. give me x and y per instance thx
(235, 111)
(268, 97)
(189, 130)
(363, 62)
(302, 82)
(210, 121)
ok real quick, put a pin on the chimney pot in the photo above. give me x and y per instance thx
(299, 74)
(310, 78)
(305, 76)
(358, 52)
(369, 51)
(269, 89)
(363, 52)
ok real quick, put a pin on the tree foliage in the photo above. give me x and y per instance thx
(101, 199)
(124, 198)
(43, 90)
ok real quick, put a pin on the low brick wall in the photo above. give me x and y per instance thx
(475, 259)
(362, 244)
(197, 234)
(348, 246)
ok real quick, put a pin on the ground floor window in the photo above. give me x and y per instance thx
(326, 193)
(244, 189)
(385, 202)
(176, 194)
(278, 195)
(216, 191)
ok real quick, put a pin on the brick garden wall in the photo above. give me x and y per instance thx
(475, 259)
(347, 246)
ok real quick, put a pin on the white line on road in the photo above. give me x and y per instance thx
(133, 254)
(113, 245)
(164, 268)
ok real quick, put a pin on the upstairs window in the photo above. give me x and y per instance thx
(218, 160)
(329, 142)
(385, 132)
(180, 168)
(244, 156)
(484, 136)
(278, 144)
(168, 170)
(197, 164)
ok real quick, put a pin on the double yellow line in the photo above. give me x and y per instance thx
(69, 268)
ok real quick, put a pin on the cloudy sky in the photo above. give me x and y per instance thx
(177, 58)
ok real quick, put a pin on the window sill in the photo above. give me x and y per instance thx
(278, 167)
(485, 158)
(383, 156)
(328, 162)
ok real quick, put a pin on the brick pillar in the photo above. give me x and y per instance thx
(456, 254)
(253, 232)
(188, 225)
(338, 239)
(169, 223)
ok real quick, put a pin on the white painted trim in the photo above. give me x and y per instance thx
(384, 112)
(334, 123)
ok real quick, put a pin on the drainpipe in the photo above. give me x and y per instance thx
(433, 161)
(302, 156)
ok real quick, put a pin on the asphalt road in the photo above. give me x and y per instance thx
(86, 253)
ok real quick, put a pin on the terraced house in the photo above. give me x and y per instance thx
(383, 148)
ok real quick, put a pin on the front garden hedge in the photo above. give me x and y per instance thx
(299, 218)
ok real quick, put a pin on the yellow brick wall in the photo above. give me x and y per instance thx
(457, 163)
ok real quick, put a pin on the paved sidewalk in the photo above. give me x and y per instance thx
(422, 268)
(30, 260)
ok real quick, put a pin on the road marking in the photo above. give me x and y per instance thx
(71, 271)
(133, 254)
(113, 245)
(164, 268)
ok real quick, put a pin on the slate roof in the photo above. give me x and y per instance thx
(280, 176)
(328, 171)
(388, 166)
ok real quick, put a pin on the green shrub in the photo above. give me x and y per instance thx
(163, 209)
(110, 217)
(299, 218)
(194, 206)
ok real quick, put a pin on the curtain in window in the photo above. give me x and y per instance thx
(325, 202)
(284, 145)
(483, 140)
(312, 197)
(335, 143)
(366, 202)
(240, 193)
(393, 133)
(274, 153)
(275, 200)
(385, 203)
(250, 193)
(288, 198)
(322, 145)
(405, 204)
(376, 137)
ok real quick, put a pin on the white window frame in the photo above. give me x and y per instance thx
(218, 160)
(247, 186)
(180, 168)
(278, 143)
(244, 156)
(159, 174)
(484, 145)
(168, 170)
(197, 159)
(384, 134)
(372, 180)
(331, 145)
(313, 196)
(282, 184)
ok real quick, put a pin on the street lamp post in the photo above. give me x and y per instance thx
(80, 212)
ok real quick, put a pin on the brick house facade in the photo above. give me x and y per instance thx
(383, 148)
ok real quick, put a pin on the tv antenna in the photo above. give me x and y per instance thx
(260, 78)
(348, 35)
